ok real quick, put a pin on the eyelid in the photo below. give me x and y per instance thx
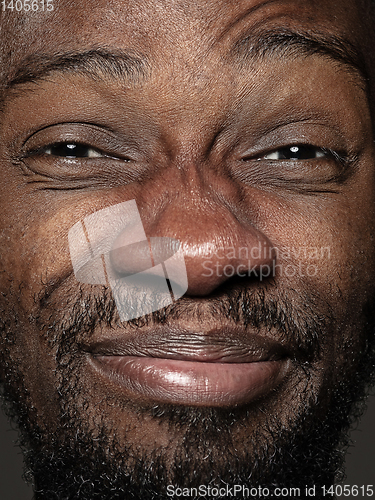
(107, 142)
(310, 174)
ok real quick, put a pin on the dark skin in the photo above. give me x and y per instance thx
(194, 136)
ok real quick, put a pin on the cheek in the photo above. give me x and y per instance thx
(327, 241)
(326, 248)
(35, 242)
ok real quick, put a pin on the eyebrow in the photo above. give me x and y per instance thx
(98, 64)
(285, 42)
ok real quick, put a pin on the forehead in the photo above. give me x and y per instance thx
(174, 31)
(186, 47)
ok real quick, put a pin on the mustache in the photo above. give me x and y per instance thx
(69, 314)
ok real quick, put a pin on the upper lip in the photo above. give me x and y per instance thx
(217, 345)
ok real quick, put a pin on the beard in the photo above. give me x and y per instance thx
(87, 459)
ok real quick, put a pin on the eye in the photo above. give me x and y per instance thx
(71, 150)
(297, 152)
(298, 165)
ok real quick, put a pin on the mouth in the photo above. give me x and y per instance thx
(219, 368)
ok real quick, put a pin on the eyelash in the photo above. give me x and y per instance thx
(309, 152)
(78, 147)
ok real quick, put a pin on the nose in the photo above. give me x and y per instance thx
(216, 245)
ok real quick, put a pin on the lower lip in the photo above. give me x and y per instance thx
(193, 382)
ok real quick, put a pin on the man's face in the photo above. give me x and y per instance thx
(233, 125)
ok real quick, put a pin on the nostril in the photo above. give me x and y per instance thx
(252, 258)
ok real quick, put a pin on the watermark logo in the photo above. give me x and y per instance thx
(263, 261)
(110, 247)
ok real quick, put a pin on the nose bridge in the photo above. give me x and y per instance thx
(199, 209)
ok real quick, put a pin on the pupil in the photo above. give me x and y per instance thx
(298, 153)
(69, 150)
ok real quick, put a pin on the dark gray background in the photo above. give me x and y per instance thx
(360, 459)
